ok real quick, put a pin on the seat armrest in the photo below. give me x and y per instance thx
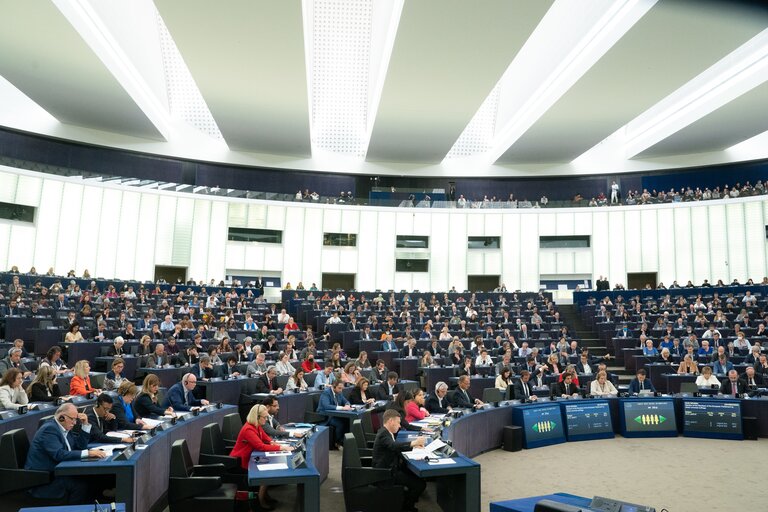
(226, 460)
(208, 470)
(360, 477)
(189, 487)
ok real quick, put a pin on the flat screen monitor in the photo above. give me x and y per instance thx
(715, 418)
(587, 419)
(647, 417)
(542, 424)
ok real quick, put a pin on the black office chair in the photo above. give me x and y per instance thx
(366, 420)
(197, 488)
(14, 446)
(213, 451)
(43, 420)
(364, 449)
(230, 428)
(310, 412)
(360, 483)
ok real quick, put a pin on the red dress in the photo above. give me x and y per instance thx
(79, 386)
(252, 439)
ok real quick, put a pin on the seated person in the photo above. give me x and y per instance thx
(665, 357)
(359, 395)
(14, 361)
(125, 416)
(722, 366)
(332, 399)
(467, 368)
(116, 349)
(80, 385)
(705, 349)
(649, 350)
(203, 370)
(504, 379)
(750, 378)
(102, 421)
(522, 389)
(326, 377)
(462, 399)
(44, 387)
(309, 365)
(386, 455)
(640, 383)
(228, 369)
(387, 390)
(267, 383)
(602, 386)
(414, 409)
(296, 382)
(688, 366)
(114, 377)
(732, 385)
(399, 404)
(56, 441)
(706, 379)
(180, 396)
(257, 367)
(158, 359)
(251, 438)
(437, 403)
(284, 366)
(566, 388)
(12, 394)
(146, 405)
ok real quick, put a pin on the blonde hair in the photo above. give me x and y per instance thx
(127, 388)
(80, 368)
(150, 380)
(254, 413)
(117, 361)
(45, 376)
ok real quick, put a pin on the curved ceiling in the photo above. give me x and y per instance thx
(396, 87)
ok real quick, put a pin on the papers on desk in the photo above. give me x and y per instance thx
(119, 434)
(441, 462)
(423, 453)
(150, 423)
(272, 467)
(109, 448)
(297, 431)
(277, 454)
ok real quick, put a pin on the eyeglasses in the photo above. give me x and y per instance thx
(73, 418)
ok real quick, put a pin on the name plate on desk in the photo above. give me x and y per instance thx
(125, 454)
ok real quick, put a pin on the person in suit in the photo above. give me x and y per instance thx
(252, 437)
(521, 389)
(732, 385)
(44, 387)
(158, 358)
(14, 361)
(640, 383)
(257, 367)
(332, 400)
(467, 367)
(722, 365)
(461, 399)
(388, 389)
(565, 388)
(228, 369)
(359, 395)
(386, 455)
(116, 349)
(437, 403)
(379, 372)
(203, 369)
(751, 379)
(267, 383)
(272, 427)
(180, 396)
(57, 441)
(102, 421)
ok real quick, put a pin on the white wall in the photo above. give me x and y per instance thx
(124, 232)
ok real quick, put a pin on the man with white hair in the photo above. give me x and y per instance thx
(57, 441)
(437, 403)
(14, 361)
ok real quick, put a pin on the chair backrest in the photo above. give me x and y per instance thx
(357, 432)
(282, 380)
(689, 387)
(211, 441)
(44, 419)
(350, 458)
(14, 446)
(449, 395)
(181, 460)
(231, 426)
(367, 421)
(492, 395)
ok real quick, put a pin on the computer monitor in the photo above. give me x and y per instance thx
(711, 417)
(647, 417)
(542, 424)
(587, 419)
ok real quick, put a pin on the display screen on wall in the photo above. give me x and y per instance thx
(564, 242)
(412, 242)
(483, 242)
(17, 212)
(265, 236)
(340, 239)
(403, 265)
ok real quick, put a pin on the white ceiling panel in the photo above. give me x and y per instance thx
(447, 57)
(45, 58)
(247, 58)
(669, 46)
(706, 134)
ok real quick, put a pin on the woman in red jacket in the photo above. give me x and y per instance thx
(252, 438)
(81, 383)
(414, 408)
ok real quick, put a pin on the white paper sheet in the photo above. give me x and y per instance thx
(272, 467)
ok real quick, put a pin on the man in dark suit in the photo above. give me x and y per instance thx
(267, 383)
(228, 369)
(331, 399)
(751, 379)
(388, 389)
(55, 442)
(461, 399)
(732, 385)
(640, 383)
(437, 403)
(189, 356)
(203, 369)
(102, 421)
(521, 389)
(272, 427)
(180, 395)
(386, 455)
(565, 388)
(116, 349)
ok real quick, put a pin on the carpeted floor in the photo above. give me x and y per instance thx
(679, 474)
